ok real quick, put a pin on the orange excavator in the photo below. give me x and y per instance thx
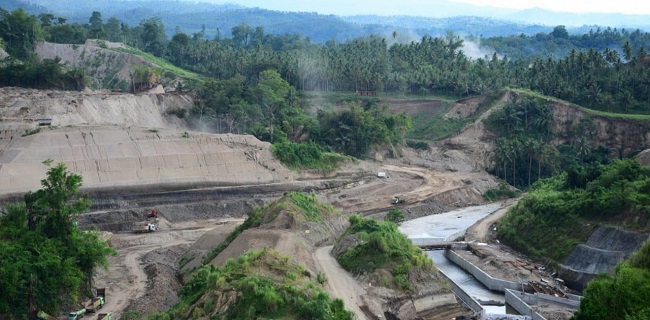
(153, 213)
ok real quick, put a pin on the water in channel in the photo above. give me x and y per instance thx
(447, 227)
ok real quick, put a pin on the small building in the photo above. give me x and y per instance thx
(381, 175)
(44, 122)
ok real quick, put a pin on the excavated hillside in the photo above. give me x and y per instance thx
(136, 154)
(21, 109)
(623, 134)
(604, 249)
(104, 64)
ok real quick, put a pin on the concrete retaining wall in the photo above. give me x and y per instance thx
(516, 300)
(488, 281)
(465, 298)
(540, 298)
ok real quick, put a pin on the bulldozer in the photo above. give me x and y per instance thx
(397, 200)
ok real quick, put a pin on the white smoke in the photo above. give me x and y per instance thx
(474, 50)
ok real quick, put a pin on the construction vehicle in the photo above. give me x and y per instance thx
(104, 316)
(101, 292)
(74, 315)
(397, 200)
(94, 304)
(44, 316)
(149, 227)
(153, 213)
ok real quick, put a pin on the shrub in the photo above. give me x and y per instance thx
(395, 215)
(307, 155)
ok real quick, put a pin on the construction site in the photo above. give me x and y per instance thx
(163, 196)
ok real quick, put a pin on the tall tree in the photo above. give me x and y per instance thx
(19, 30)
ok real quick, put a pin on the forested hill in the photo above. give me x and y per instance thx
(218, 20)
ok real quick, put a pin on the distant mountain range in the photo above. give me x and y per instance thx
(219, 19)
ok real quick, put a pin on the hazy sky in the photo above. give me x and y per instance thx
(434, 7)
(621, 6)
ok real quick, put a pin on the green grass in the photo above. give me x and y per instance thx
(436, 128)
(310, 206)
(30, 132)
(308, 155)
(161, 63)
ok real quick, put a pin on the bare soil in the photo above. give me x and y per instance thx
(145, 275)
(340, 283)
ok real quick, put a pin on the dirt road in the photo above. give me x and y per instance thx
(412, 183)
(125, 279)
(340, 283)
(481, 229)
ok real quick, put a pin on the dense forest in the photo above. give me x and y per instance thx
(606, 70)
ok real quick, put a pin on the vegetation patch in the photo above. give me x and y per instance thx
(160, 62)
(307, 155)
(30, 132)
(259, 284)
(382, 246)
(504, 191)
(562, 212)
(310, 207)
(47, 261)
(435, 126)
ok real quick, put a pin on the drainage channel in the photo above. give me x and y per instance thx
(447, 227)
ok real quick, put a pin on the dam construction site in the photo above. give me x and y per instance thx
(199, 220)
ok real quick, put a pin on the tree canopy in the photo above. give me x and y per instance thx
(46, 259)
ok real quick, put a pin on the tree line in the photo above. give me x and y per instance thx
(606, 70)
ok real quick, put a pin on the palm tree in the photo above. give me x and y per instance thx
(531, 146)
(583, 148)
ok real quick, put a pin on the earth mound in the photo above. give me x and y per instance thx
(258, 284)
(294, 225)
(402, 281)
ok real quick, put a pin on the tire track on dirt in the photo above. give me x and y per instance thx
(340, 283)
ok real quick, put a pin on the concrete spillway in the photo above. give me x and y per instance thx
(446, 227)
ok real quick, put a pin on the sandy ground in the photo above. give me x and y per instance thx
(125, 278)
(340, 284)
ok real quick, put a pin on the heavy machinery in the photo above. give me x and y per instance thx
(149, 227)
(74, 315)
(104, 316)
(153, 213)
(44, 316)
(94, 304)
(397, 200)
(101, 292)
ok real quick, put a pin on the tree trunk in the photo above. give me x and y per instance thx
(530, 166)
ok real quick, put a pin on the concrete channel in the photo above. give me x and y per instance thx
(469, 283)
